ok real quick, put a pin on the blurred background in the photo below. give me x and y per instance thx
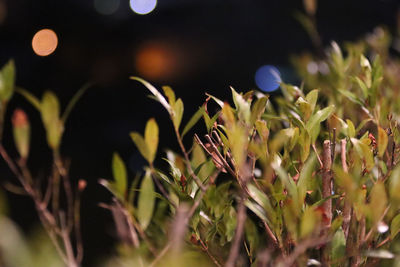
(195, 46)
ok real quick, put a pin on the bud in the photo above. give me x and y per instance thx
(21, 131)
(82, 185)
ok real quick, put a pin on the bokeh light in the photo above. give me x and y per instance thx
(44, 42)
(268, 78)
(142, 7)
(156, 61)
(106, 7)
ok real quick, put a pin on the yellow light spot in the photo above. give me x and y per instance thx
(44, 42)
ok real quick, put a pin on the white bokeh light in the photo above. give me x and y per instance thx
(142, 7)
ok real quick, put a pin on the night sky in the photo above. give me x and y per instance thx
(195, 46)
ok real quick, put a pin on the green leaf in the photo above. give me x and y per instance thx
(170, 95)
(305, 177)
(120, 175)
(146, 201)
(361, 84)
(30, 98)
(262, 199)
(242, 106)
(151, 139)
(50, 111)
(351, 131)
(141, 145)
(193, 120)
(7, 81)
(382, 141)
(304, 107)
(308, 222)
(178, 113)
(378, 201)
(395, 226)
(258, 109)
(257, 209)
(155, 92)
(312, 98)
(218, 101)
(365, 152)
(352, 97)
(319, 117)
(394, 182)
(338, 245)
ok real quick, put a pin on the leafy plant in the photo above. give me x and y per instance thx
(307, 177)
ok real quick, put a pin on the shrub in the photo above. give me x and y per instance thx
(307, 177)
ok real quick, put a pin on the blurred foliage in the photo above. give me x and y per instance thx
(267, 155)
(307, 177)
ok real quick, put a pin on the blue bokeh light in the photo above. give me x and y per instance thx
(268, 78)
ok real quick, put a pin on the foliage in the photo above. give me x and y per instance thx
(307, 177)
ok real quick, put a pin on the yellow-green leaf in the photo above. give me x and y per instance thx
(378, 201)
(312, 98)
(141, 145)
(50, 111)
(351, 131)
(395, 226)
(193, 120)
(146, 201)
(151, 139)
(319, 117)
(178, 113)
(382, 141)
(170, 95)
(120, 175)
(155, 92)
(258, 109)
(7, 81)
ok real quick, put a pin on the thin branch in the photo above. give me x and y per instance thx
(215, 149)
(77, 224)
(316, 153)
(272, 236)
(205, 248)
(373, 228)
(67, 188)
(235, 247)
(347, 204)
(302, 248)
(187, 161)
(326, 193)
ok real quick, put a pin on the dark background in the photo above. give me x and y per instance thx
(206, 45)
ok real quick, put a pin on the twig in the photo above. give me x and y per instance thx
(205, 248)
(333, 144)
(326, 184)
(326, 193)
(347, 203)
(77, 224)
(215, 149)
(272, 236)
(67, 188)
(187, 161)
(241, 219)
(316, 153)
(393, 151)
(372, 230)
(161, 254)
(301, 248)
